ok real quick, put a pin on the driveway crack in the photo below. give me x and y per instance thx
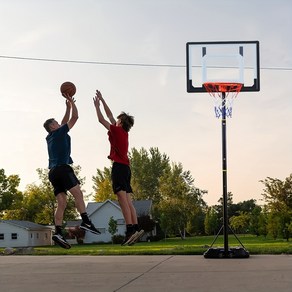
(142, 274)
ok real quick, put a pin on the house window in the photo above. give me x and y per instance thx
(13, 235)
(46, 235)
(31, 235)
(1, 236)
(120, 221)
(101, 230)
(37, 235)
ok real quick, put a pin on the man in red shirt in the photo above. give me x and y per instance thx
(121, 171)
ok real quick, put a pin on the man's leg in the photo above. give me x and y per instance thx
(134, 218)
(78, 197)
(80, 206)
(61, 206)
(124, 204)
(139, 232)
(130, 216)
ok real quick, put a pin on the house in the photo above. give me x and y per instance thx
(100, 214)
(17, 233)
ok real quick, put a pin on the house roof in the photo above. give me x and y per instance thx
(25, 224)
(143, 207)
(94, 206)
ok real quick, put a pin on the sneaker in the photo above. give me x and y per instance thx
(129, 237)
(136, 238)
(89, 227)
(60, 240)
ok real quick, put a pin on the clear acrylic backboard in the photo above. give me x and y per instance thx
(224, 61)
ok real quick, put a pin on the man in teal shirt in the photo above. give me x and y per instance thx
(61, 174)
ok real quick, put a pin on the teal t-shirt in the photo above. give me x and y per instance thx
(59, 147)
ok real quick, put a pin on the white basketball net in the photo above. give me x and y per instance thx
(219, 104)
(223, 103)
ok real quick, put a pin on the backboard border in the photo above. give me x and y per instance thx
(254, 87)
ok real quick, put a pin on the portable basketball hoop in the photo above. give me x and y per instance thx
(223, 94)
(223, 69)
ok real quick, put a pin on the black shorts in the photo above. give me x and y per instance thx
(121, 178)
(62, 178)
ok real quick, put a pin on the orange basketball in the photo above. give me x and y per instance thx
(68, 88)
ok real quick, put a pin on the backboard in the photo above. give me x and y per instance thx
(224, 61)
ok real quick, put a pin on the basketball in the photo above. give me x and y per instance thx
(68, 88)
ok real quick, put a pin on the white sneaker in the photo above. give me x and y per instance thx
(136, 236)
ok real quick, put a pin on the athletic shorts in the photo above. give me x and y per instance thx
(121, 178)
(62, 178)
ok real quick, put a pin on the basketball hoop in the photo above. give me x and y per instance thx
(224, 94)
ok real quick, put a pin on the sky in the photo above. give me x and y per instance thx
(113, 37)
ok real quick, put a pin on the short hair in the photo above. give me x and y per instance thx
(127, 121)
(47, 124)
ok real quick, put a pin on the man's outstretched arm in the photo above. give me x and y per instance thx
(100, 117)
(74, 112)
(107, 110)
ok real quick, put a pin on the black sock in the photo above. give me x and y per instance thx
(136, 227)
(58, 230)
(85, 218)
(130, 228)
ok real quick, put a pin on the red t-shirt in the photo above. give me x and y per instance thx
(118, 138)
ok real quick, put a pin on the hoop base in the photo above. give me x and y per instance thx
(233, 252)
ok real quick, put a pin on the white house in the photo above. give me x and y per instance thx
(17, 233)
(100, 214)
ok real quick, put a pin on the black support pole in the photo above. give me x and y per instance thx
(225, 252)
(224, 175)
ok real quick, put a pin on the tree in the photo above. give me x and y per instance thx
(211, 221)
(112, 226)
(229, 206)
(245, 206)
(278, 195)
(102, 186)
(35, 206)
(147, 169)
(170, 188)
(10, 196)
(255, 215)
(38, 202)
(146, 166)
(273, 225)
(262, 222)
(180, 202)
(240, 223)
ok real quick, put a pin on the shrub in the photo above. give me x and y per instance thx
(117, 239)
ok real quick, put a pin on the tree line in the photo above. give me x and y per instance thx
(178, 205)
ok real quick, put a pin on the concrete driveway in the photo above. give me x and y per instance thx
(262, 273)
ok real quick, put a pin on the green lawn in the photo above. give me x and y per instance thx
(173, 246)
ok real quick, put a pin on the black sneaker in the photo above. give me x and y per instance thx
(89, 227)
(129, 237)
(136, 238)
(60, 240)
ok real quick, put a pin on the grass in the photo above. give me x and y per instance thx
(172, 246)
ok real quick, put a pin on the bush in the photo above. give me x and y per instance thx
(117, 239)
(153, 238)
